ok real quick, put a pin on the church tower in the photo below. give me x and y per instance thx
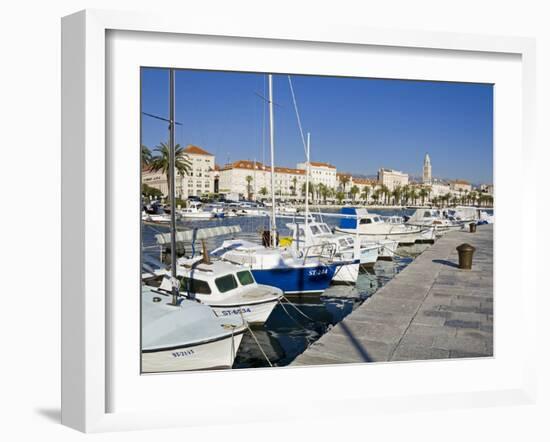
(427, 173)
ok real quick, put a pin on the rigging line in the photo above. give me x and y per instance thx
(161, 118)
(245, 322)
(297, 115)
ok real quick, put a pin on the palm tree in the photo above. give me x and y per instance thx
(396, 194)
(145, 155)
(311, 189)
(160, 161)
(376, 195)
(423, 193)
(384, 190)
(365, 193)
(248, 186)
(263, 191)
(294, 182)
(413, 196)
(344, 180)
(405, 194)
(340, 196)
(354, 191)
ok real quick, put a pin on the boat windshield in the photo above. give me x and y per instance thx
(365, 221)
(245, 277)
(315, 230)
(226, 283)
(324, 228)
(192, 285)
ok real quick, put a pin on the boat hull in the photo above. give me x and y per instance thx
(346, 274)
(254, 313)
(314, 279)
(215, 354)
(401, 238)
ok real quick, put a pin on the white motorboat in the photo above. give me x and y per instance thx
(486, 218)
(228, 288)
(314, 235)
(434, 219)
(252, 209)
(195, 211)
(186, 336)
(372, 227)
(386, 248)
(159, 217)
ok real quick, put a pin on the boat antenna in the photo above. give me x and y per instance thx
(172, 187)
(273, 227)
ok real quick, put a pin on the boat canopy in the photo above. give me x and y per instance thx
(197, 234)
(355, 213)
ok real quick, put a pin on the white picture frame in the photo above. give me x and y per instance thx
(87, 217)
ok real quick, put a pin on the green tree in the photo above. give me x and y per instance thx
(354, 191)
(396, 194)
(423, 193)
(146, 155)
(294, 183)
(263, 191)
(160, 161)
(365, 193)
(344, 180)
(340, 196)
(249, 187)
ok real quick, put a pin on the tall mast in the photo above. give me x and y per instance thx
(307, 190)
(273, 227)
(172, 187)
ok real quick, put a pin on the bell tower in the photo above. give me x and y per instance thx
(427, 172)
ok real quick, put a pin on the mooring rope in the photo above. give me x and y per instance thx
(255, 340)
(297, 309)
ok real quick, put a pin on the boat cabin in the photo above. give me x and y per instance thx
(215, 278)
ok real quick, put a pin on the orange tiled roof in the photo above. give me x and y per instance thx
(461, 182)
(246, 164)
(318, 164)
(196, 150)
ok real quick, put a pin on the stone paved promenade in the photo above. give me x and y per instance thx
(431, 310)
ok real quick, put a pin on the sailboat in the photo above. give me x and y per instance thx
(179, 333)
(282, 267)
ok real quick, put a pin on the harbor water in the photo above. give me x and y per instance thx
(299, 320)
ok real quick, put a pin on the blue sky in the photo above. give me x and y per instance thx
(357, 124)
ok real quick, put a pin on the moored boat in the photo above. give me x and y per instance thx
(185, 336)
(372, 227)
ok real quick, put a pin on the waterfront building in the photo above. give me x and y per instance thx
(243, 175)
(199, 180)
(427, 170)
(392, 178)
(321, 173)
(461, 186)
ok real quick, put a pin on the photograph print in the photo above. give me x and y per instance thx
(303, 220)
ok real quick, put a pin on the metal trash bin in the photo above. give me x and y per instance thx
(473, 227)
(465, 256)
